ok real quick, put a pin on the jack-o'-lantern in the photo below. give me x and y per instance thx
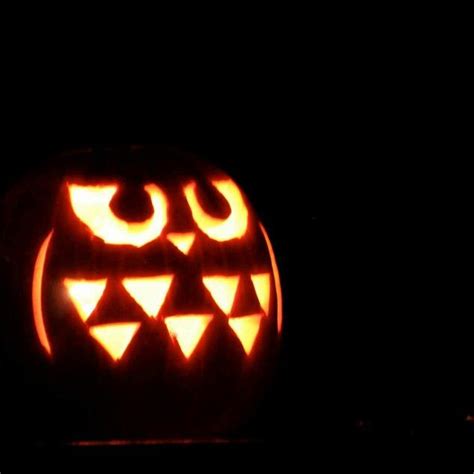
(156, 295)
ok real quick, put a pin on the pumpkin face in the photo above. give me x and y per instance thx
(163, 284)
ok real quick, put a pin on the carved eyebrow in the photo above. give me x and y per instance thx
(232, 227)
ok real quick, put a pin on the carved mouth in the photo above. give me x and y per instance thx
(187, 329)
(150, 293)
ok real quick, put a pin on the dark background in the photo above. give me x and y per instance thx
(350, 131)
(377, 344)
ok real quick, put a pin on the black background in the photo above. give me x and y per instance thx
(377, 344)
(347, 129)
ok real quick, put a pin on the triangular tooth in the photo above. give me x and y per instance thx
(188, 330)
(183, 241)
(222, 290)
(115, 337)
(246, 329)
(85, 294)
(149, 292)
(261, 283)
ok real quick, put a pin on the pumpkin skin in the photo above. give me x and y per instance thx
(188, 359)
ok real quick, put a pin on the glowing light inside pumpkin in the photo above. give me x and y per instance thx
(149, 292)
(276, 276)
(91, 204)
(261, 283)
(234, 226)
(183, 241)
(37, 293)
(85, 294)
(188, 329)
(246, 329)
(222, 290)
(114, 338)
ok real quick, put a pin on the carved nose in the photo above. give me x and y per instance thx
(182, 240)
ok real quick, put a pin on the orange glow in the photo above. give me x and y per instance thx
(246, 328)
(222, 290)
(276, 276)
(261, 283)
(91, 204)
(149, 292)
(85, 294)
(37, 292)
(183, 241)
(188, 329)
(114, 338)
(234, 226)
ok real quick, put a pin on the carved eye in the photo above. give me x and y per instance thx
(91, 204)
(232, 227)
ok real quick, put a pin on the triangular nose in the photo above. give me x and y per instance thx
(182, 240)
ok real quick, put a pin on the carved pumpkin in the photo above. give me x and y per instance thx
(156, 296)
